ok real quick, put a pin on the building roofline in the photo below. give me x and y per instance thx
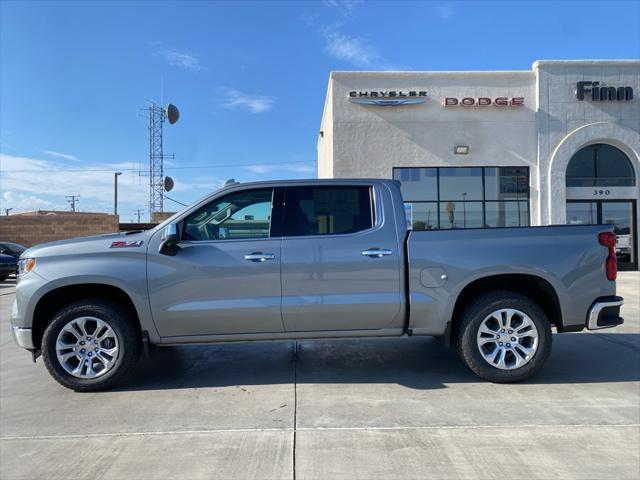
(586, 62)
(445, 73)
(411, 73)
(324, 109)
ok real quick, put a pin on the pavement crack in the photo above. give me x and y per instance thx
(295, 404)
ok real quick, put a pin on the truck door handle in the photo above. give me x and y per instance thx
(376, 252)
(259, 257)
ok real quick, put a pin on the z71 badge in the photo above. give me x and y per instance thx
(123, 244)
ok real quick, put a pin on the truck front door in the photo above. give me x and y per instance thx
(225, 277)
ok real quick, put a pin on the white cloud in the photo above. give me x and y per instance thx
(20, 202)
(349, 48)
(282, 167)
(260, 168)
(355, 50)
(33, 183)
(65, 156)
(445, 10)
(177, 57)
(237, 100)
(346, 7)
(303, 168)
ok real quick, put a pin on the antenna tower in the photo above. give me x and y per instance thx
(157, 115)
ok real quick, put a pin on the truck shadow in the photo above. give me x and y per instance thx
(419, 363)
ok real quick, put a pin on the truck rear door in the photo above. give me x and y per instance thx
(341, 259)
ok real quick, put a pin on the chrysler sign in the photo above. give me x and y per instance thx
(387, 97)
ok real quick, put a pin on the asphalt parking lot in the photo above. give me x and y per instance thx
(401, 408)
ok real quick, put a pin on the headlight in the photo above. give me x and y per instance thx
(25, 265)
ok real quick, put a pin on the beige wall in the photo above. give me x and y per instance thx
(566, 125)
(368, 140)
(38, 227)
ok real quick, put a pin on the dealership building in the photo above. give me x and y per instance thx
(556, 144)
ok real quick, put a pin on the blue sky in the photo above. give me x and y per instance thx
(249, 79)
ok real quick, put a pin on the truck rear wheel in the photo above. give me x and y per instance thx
(504, 337)
(90, 345)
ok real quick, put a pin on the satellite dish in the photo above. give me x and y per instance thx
(168, 184)
(172, 113)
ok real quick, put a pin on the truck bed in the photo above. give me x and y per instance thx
(442, 263)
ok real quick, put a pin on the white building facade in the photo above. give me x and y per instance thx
(557, 144)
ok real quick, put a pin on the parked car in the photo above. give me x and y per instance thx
(311, 259)
(8, 266)
(12, 249)
(623, 245)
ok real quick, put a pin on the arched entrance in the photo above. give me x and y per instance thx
(605, 175)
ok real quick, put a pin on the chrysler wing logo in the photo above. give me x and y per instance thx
(388, 98)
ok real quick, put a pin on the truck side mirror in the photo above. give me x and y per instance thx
(169, 245)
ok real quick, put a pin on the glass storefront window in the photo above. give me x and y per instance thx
(422, 215)
(506, 183)
(465, 197)
(461, 215)
(600, 165)
(619, 213)
(582, 213)
(460, 183)
(418, 184)
(507, 214)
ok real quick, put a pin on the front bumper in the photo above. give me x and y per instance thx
(605, 313)
(23, 337)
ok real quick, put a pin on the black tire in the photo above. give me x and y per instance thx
(472, 318)
(129, 344)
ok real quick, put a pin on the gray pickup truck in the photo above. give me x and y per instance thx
(311, 259)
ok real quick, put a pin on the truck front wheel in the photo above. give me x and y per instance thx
(504, 337)
(90, 345)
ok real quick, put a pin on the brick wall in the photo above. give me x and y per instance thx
(32, 228)
(159, 217)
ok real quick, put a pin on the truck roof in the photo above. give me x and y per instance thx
(309, 181)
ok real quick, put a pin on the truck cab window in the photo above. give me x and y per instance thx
(327, 210)
(239, 215)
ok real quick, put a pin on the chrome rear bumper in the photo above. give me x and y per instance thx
(605, 313)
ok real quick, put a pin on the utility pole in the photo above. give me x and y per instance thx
(7, 210)
(138, 213)
(115, 192)
(72, 200)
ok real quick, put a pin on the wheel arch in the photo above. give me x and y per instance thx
(52, 301)
(536, 288)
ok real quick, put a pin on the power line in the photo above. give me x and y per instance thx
(188, 167)
(176, 201)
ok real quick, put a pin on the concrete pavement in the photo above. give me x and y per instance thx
(399, 408)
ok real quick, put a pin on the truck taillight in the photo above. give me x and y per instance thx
(608, 239)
